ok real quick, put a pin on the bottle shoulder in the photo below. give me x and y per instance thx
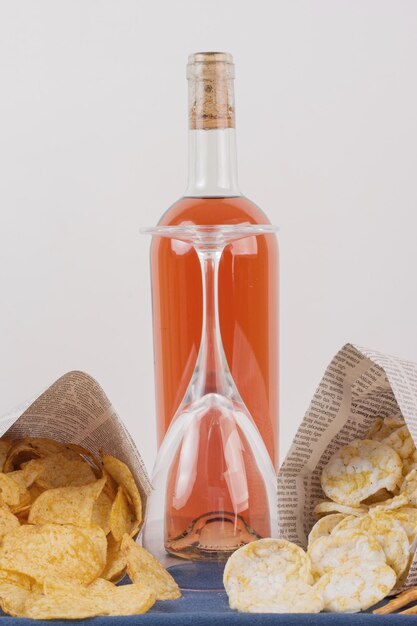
(225, 210)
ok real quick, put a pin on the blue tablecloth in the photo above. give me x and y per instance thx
(205, 604)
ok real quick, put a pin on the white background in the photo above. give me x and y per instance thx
(93, 141)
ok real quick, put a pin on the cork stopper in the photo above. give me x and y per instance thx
(211, 96)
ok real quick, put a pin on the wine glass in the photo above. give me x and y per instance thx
(214, 485)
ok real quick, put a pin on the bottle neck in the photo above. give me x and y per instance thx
(212, 163)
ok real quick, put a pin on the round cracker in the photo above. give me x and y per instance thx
(294, 597)
(407, 517)
(400, 440)
(360, 469)
(409, 487)
(397, 502)
(387, 531)
(265, 565)
(349, 548)
(327, 506)
(324, 526)
(350, 589)
(389, 424)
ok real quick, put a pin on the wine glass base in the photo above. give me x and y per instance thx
(211, 537)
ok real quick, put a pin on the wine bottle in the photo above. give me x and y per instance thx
(248, 273)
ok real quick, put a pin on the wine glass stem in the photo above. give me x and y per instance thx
(211, 367)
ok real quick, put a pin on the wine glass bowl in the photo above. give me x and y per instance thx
(214, 483)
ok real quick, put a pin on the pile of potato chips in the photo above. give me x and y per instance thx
(67, 527)
(361, 548)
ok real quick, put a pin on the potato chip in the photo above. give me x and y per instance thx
(409, 487)
(349, 548)
(348, 589)
(265, 565)
(8, 521)
(294, 597)
(400, 440)
(5, 445)
(120, 472)
(326, 507)
(66, 505)
(69, 552)
(60, 471)
(9, 491)
(69, 600)
(13, 599)
(101, 512)
(147, 572)
(24, 479)
(122, 600)
(387, 531)
(360, 469)
(15, 578)
(115, 568)
(88, 457)
(324, 526)
(121, 517)
(29, 448)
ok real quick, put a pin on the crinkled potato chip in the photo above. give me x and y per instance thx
(350, 548)
(146, 571)
(66, 505)
(360, 469)
(324, 526)
(120, 472)
(348, 589)
(326, 507)
(294, 597)
(116, 564)
(400, 440)
(387, 531)
(121, 516)
(60, 471)
(101, 512)
(264, 566)
(69, 552)
(409, 487)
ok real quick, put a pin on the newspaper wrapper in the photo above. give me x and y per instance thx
(75, 409)
(358, 386)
